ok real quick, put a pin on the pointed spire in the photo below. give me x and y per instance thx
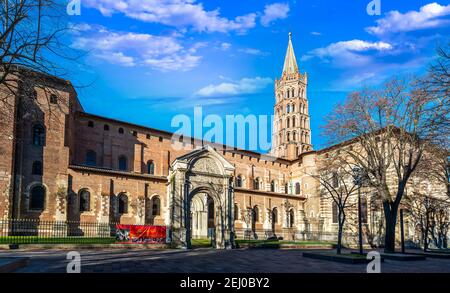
(290, 64)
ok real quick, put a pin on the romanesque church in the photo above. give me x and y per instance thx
(64, 164)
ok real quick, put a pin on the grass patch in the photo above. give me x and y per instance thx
(56, 240)
(197, 243)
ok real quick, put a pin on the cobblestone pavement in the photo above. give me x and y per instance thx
(209, 261)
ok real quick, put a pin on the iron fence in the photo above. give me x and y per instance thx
(34, 231)
(291, 234)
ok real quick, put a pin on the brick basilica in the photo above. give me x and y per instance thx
(68, 165)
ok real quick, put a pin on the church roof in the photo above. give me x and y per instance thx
(290, 63)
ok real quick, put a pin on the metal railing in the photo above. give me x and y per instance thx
(34, 231)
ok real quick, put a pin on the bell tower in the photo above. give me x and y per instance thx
(291, 133)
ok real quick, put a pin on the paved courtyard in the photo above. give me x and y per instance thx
(209, 261)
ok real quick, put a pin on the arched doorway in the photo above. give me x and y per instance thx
(201, 198)
(202, 216)
(206, 220)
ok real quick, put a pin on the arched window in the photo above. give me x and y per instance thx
(150, 167)
(256, 184)
(335, 180)
(288, 137)
(272, 186)
(121, 130)
(156, 206)
(288, 122)
(288, 108)
(288, 94)
(37, 198)
(294, 136)
(255, 214)
(236, 212)
(36, 168)
(291, 219)
(91, 124)
(106, 127)
(363, 210)
(334, 212)
(274, 216)
(292, 92)
(123, 163)
(123, 203)
(239, 181)
(85, 200)
(38, 135)
(297, 188)
(91, 158)
(293, 121)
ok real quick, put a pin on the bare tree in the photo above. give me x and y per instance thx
(442, 220)
(393, 126)
(421, 209)
(336, 177)
(431, 216)
(31, 47)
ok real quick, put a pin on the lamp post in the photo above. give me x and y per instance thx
(359, 221)
(402, 230)
(358, 179)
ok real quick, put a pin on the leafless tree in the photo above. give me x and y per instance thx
(31, 47)
(430, 214)
(393, 126)
(336, 177)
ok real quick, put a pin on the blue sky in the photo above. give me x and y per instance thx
(148, 60)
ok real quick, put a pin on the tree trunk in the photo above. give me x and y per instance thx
(339, 242)
(390, 215)
(341, 220)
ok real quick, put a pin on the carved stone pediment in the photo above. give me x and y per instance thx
(206, 165)
(204, 161)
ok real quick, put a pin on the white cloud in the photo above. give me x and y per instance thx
(135, 49)
(429, 16)
(252, 51)
(347, 53)
(176, 13)
(243, 86)
(117, 58)
(273, 12)
(225, 46)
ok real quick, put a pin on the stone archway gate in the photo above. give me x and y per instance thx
(201, 171)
